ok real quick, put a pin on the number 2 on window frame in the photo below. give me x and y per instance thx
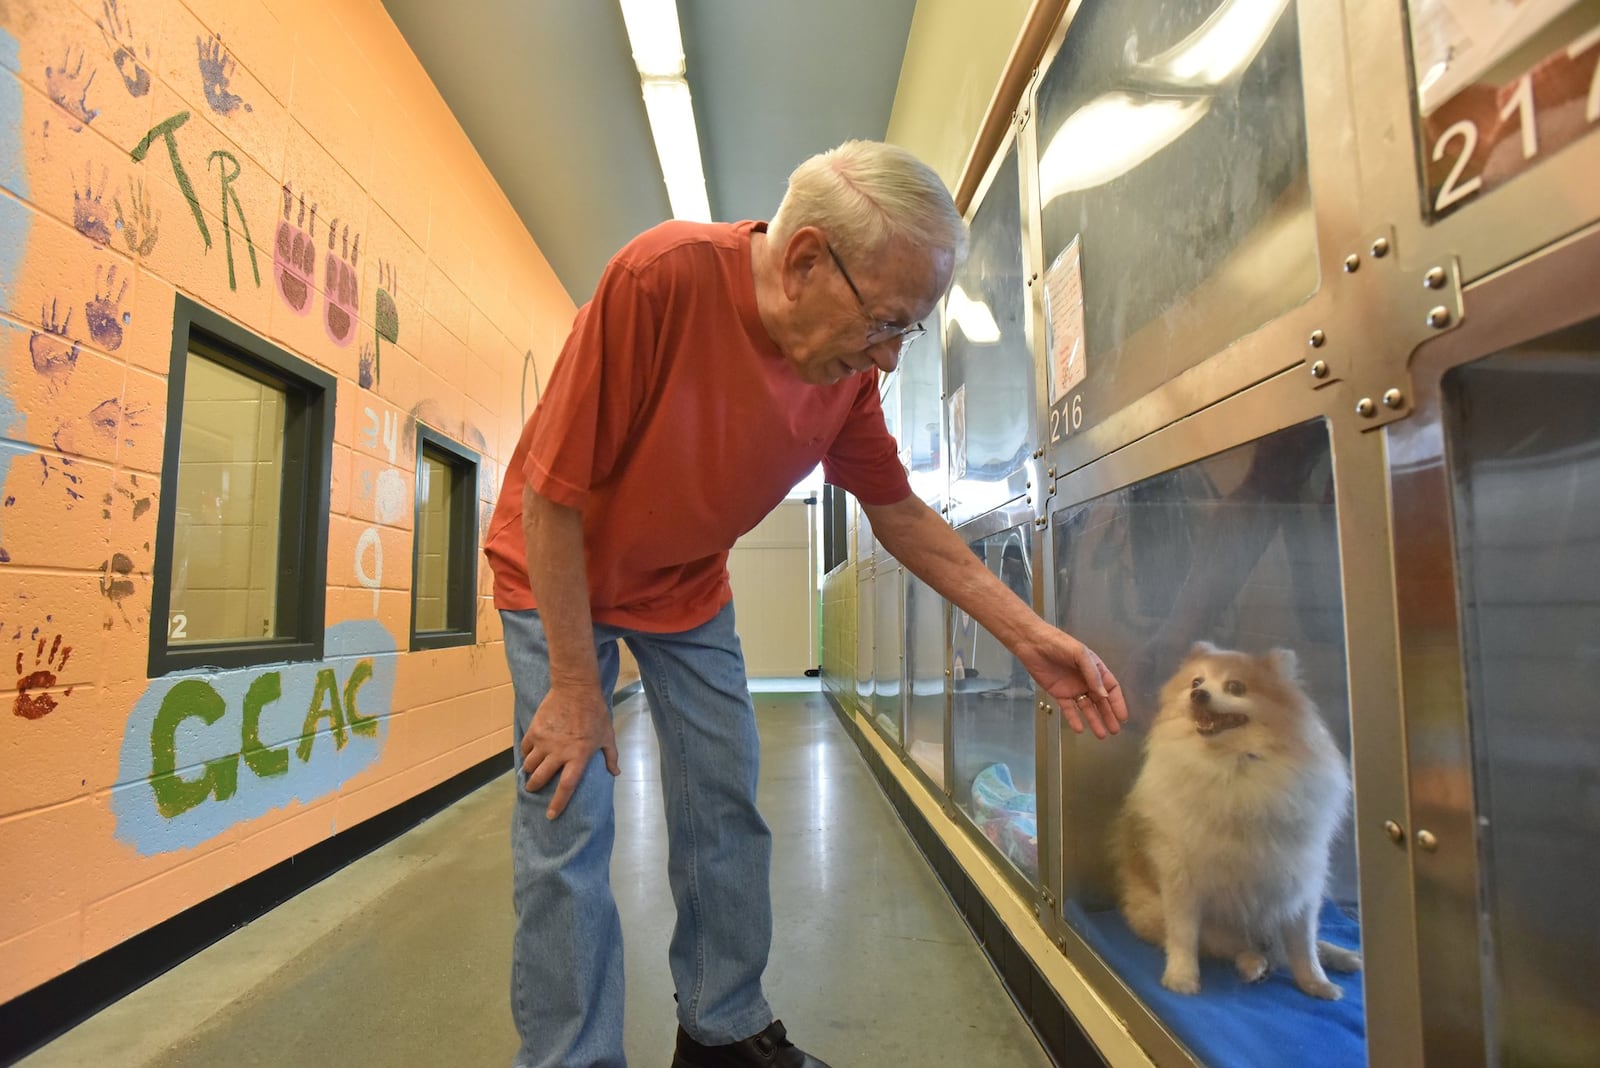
(1450, 193)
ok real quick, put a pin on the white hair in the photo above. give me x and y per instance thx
(864, 194)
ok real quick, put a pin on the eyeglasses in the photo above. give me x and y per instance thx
(881, 330)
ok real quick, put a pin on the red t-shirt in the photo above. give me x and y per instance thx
(675, 425)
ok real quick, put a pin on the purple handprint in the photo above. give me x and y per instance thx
(89, 216)
(342, 287)
(104, 312)
(63, 84)
(52, 356)
(119, 35)
(216, 69)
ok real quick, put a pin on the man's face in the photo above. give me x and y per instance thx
(857, 316)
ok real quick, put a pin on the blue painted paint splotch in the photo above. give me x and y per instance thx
(306, 768)
(13, 168)
(15, 221)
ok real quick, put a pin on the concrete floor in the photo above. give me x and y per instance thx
(403, 958)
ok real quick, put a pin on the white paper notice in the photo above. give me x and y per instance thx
(1063, 302)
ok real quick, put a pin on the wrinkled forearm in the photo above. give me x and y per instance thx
(935, 553)
(553, 536)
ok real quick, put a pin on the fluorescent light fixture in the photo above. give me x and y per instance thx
(1110, 136)
(1222, 48)
(678, 145)
(658, 53)
(973, 316)
(653, 36)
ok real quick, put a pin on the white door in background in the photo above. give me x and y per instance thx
(772, 573)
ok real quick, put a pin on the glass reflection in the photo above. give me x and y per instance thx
(925, 658)
(1526, 463)
(989, 367)
(1239, 550)
(992, 708)
(1173, 150)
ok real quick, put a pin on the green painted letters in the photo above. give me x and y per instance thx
(263, 761)
(359, 724)
(327, 684)
(174, 796)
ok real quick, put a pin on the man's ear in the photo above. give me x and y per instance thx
(800, 259)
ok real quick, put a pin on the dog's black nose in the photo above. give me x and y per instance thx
(1200, 696)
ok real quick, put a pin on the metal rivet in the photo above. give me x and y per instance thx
(947, 673)
(1434, 279)
(1061, 942)
(1439, 317)
(1027, 485)
(1319, 369)
(1393, 398)
(1052, 471)
(1352, 263)
(1427, 841)
(1365, 407)
(1395, 832)
(1318, 338)
(1380, 247)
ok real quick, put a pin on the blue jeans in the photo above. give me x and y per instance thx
(566, 972)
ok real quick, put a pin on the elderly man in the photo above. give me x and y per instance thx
(714, 367)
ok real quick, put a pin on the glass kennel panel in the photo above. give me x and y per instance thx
(925, 652)
(886, 711)
(1175, 209)
(992, 709)
(921, 377)
(1524, 451)
(989, 368)
(1240, 551)
(866, 636)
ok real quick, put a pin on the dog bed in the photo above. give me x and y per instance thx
(1231, 1023)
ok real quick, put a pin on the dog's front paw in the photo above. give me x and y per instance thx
(1181, 980)
(1320, 988)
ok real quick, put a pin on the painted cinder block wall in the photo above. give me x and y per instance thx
(156, 147)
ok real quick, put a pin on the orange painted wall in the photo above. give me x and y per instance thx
(325, 100)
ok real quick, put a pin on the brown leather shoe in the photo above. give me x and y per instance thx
(768, 1049)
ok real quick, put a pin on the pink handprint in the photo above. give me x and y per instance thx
(52, 356)
(63, 84)
(342, 287)
(294, 259)
(89, 215)
(104, 312)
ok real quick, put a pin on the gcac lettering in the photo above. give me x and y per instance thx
(197, 699)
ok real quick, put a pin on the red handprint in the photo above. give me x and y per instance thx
(37, 706)
(342, 286)
(294, 259)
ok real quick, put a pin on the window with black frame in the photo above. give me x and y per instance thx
(242, 538)
(445, 557)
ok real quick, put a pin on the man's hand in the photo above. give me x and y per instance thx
(1077, 678)
(571, 723)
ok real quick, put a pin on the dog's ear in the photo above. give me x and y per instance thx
(1285, 663)
(1201, 649)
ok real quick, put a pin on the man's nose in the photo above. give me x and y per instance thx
(886, 354)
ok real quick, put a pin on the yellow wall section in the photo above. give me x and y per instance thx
(279, 100)
(954, 58)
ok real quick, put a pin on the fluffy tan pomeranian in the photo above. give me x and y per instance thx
(1222, 845)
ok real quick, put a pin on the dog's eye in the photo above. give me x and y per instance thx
(1235, 687)
(1195, 685)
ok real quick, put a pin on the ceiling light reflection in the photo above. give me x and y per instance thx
(973, 316)
(1222, 48)
(1110, 136)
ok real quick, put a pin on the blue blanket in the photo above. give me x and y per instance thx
(1233, 1023)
